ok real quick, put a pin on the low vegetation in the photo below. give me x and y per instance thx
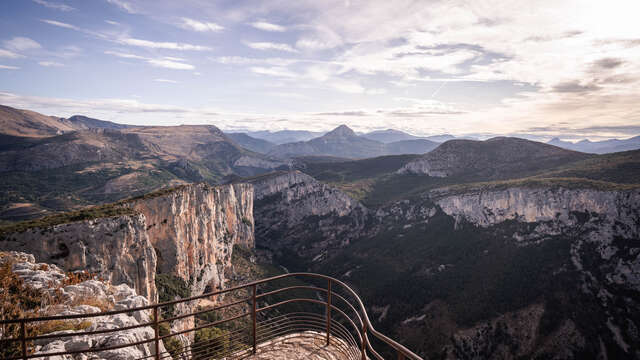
(96, 212)
(20, 301)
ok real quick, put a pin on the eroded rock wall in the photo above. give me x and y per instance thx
(118, 249)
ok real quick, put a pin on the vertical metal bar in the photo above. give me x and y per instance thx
(23, 336)
(253, 319)
(400, 355)
(156, 326)
(364, 341)
(328, 310)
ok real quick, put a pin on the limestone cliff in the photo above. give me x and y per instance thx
(188, 232)
(193, 230)
(293, 211)
(117, 248)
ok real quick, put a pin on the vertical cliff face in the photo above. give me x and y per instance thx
(301, 216)
(188, 232)
(117, 248)
(194, 228)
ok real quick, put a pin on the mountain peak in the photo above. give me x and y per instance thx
(341, 131)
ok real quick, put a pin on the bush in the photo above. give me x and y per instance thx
(211, 342)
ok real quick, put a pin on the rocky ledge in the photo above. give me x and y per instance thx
(61, 295)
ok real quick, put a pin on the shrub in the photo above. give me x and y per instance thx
(211, 342)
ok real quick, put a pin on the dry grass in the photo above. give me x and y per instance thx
(47, 327)
(101, 303)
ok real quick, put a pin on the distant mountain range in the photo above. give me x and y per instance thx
(344, 142)
(392, 135)
(284, 136)
(599, 147)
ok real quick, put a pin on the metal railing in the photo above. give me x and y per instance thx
(335, 311)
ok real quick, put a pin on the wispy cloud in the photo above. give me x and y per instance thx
(266, 26)
(21, 44)
(50, 64)
(239, 60)
(166, 81)
(165, 62)
(271, 46)
(126, 6)
(8, 67)
(200, 26)
(273, 71)
(170, 64)
(61, 24)
(162, 45)
(9, 54)
(55, 6)
(124, 55)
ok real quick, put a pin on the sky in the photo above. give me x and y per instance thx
(532, 68)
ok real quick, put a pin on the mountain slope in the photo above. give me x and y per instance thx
(495, 158)
(258, 145)
(343, 142)
(25, 123)
(100, 165)
(284, 136)
(389, 135)
(415, 146)
(79, 122)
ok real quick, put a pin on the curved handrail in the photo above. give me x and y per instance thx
(359, 309)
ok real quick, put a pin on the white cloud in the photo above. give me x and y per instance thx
(50, 64)
(52, 5)
(61, 24)
(9, 54)
(126, 6)
(162, 45)
(170, 64)
(21, 44)
(273, 71)
(111, 22)
(124, 55)
(200, 26)
(166, 81)
(8, 67)
(165, 62)
(266, 26)
(271, 46)
(239, 60)
(346, 86)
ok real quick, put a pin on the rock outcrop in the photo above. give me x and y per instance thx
(297, 212)
(117, 248)
(74, 299)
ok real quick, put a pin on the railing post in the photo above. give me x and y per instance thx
(328, 310)
(364, 341)
(400, 355)
(253, 318)
(23, 338)
(156, 326)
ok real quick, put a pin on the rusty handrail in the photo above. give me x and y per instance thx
(354, 336)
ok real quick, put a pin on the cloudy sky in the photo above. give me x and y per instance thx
(508, 67)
